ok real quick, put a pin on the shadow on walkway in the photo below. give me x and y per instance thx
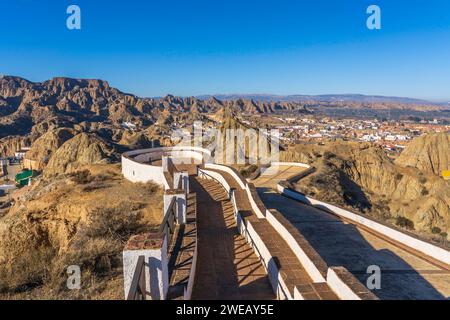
(227, 268)
(341, 244)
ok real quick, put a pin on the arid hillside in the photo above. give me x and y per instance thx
(65, 102)
(429, 153)
(81, 218)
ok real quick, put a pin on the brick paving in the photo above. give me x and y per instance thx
(291, 269)
(227, 267)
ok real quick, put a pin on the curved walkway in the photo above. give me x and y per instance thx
(227, 267)
(339, 243)
(292, 270)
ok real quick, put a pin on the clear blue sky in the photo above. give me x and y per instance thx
(190, 47)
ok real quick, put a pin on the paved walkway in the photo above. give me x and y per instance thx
(227, 268)
(291, 269)
(404, 275)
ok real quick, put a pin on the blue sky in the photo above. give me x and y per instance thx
(191, 47)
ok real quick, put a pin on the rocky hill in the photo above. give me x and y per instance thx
(429, 153)
(43, 148)
(83, 149)
(349, 100)
(24, 104)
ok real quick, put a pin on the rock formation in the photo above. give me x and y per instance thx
(83, 149)
(429, 153)
(361, 177)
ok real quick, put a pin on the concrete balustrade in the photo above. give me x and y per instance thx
(228, 170)
(154, 249)
(346, 286)
(181, 180)
(179, 196)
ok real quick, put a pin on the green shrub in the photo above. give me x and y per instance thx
(328, 155)
(81, 177)
(246, 172)
(435, 230)
(404, 223)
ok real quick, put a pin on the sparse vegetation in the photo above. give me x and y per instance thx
(404, 223)
(82, 230)
(81, 177)
(436, 230)
(247, 171)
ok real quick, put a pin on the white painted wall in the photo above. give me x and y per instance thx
(295, 164)
(339, 287)
(139, 172)
(260, 249)
(156, 263)
(419, 245)
(252, 201)
(227, 170)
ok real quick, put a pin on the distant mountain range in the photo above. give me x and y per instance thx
(327, 98)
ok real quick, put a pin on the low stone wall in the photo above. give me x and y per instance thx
(294, 164)
(346, 286)
(255, 201)
(279, 287)
(426, 248)
(216, 176)
(233, 173)
(301, 175)
(135, 169)
(140, 172)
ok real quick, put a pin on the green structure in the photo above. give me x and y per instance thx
(24, 178)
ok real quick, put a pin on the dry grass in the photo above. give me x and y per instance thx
(73, 221)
